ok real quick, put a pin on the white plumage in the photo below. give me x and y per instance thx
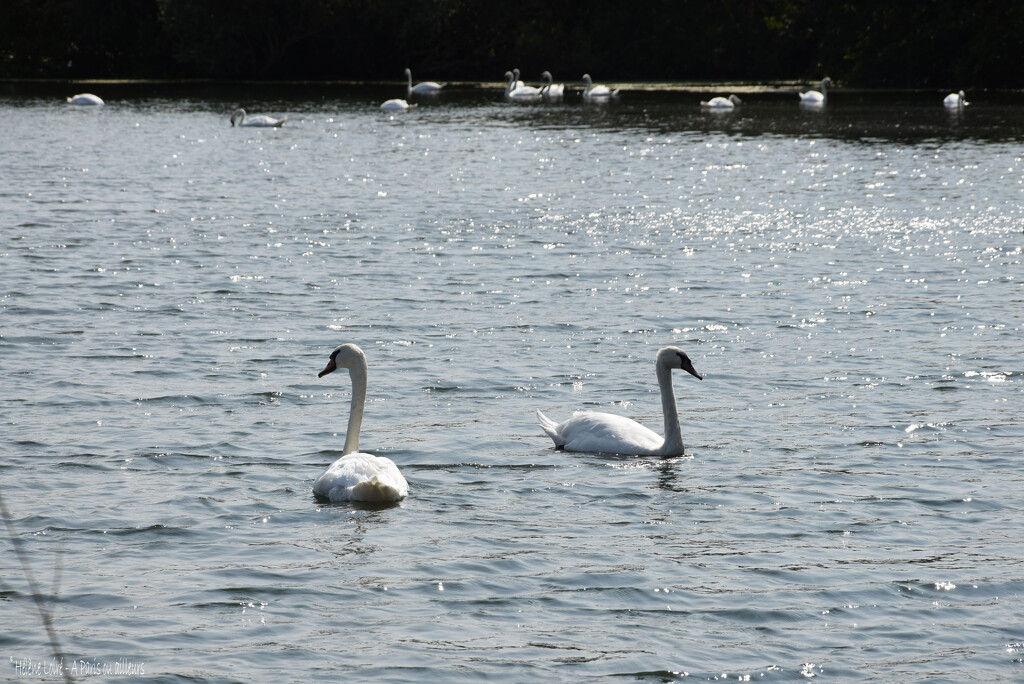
(814, 97)
(597, 92)
(425, 88)
(85, 99)
(240, 118)
(357, 476)
(395, 105)
(721, 102)
(518, 93)
(611, 434)
(955, 100)
(551, 90)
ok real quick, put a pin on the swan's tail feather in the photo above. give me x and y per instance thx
(550, 428)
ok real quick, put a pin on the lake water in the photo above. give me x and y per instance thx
(850, 281)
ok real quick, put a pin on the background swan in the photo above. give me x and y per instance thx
(597, 92)
(612, 434)
(518, 84)
(395, 105)
(357, 476)
(514, 93)
(240, 118)
(425, 88)
(551, 90)
(721, 102)
(815, 97)
(86, 99)
(955, 100)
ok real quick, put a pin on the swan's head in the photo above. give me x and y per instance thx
(345, 356)
(674, 357)
(547, 76)
(586, 78)
(735, 99)
(826, 82)
(408, 73)
(237, 115)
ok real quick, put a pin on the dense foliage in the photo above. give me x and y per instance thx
(933, 43)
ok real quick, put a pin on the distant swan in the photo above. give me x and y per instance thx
(395, 105)
(551, 90)
(519, 84)
(514, 93)
(721, 102)
(597, 92)
(955, 100)
(813, 97)
(85, 99)
(612, 434)
(425, 88)
(240, 118)
(357, 476)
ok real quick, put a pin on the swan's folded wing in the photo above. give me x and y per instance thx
(362, 477)
(609, 434)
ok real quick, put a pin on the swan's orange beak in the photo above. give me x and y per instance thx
(329, 368)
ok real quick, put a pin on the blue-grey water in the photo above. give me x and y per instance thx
(850, 282)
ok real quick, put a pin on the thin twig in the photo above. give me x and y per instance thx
(44, 613)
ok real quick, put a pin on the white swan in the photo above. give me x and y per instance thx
(357, 476)
(519, 84)
(955, 101)
(86, 99)
(612, 434)
(240, 118)
(425, 88)
(514, 93)
(721, 102)
(813, 97)
(395, 105)
(597, 92)
(551, 90)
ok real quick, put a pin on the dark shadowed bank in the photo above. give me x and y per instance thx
(941, 43)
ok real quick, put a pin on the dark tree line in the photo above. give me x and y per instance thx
(933, 43)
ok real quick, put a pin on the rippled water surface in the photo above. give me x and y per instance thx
(850, 281)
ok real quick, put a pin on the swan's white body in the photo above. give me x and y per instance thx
(597, 92)
(814, 97)
(395, 105)
(721, 102)
(551, 90)
(240, 118)
(425, 88)
(357, 476)
(516, 93)
(611, 434)
(955, 100)
(85, 99)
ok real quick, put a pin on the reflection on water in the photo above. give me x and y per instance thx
(847, 280)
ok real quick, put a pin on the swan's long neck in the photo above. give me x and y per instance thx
(511, 84)
(673, 434)
(408, 87)
(355, 412)
(824, 92)
(586, 91)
